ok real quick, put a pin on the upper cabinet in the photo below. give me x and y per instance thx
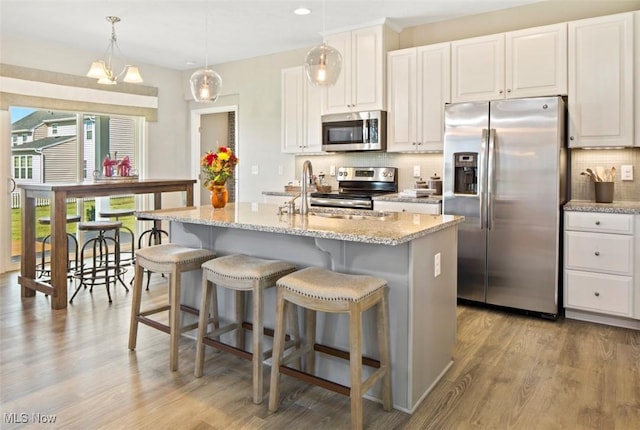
(524, 63)
(360, 85)
(418, 86)
(601, 97)
(301, 126)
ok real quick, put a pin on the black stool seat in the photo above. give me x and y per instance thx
(46, 220)
(99, 225)
(115, 213)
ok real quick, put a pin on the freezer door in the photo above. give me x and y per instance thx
(523, 188)
(466, 126)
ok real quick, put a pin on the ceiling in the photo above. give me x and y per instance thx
(180, 35)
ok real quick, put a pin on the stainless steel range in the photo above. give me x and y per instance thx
(357, 186)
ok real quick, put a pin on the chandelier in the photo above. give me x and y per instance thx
(103, 70)
(323, 62)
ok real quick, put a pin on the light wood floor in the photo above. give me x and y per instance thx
(510, 372)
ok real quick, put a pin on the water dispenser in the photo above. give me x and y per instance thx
(465, 173)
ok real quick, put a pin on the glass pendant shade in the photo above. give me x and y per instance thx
(132, 75)
(323, 65)
(97, 70)
(205, 85)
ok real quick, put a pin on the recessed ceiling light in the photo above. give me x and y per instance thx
(190, 63)
(302, 11)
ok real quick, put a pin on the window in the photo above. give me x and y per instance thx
(23, 167)
(14, 139)
(54, 128)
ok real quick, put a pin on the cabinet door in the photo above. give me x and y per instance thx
(601, 81)
(536, 61)
(402, 95)
(367, 69)
(337, 98)
(598, 292)
(477, 68)
(434, 90)
(292, 110)
(312, 117)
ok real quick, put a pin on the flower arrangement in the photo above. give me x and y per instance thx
(218, 166)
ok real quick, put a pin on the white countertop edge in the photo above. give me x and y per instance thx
(617, 207)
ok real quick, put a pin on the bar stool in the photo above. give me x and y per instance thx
(116, 214)
(153, 236)
(71, 240)
(321, 290)
(104, 264)
(242, 274)
(165, 258)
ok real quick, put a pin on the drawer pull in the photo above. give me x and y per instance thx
(597, 294)
(597, 253)
(597, 222)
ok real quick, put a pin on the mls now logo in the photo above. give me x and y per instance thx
(22, 418)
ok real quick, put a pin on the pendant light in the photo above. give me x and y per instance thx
(205, 83)
(323, 63)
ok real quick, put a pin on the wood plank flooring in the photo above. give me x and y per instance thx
(509, 372)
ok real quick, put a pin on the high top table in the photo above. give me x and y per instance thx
(58, 193)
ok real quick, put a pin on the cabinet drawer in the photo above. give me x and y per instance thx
(609, 253)
(598, 292)
(418, 208)
(599, 222)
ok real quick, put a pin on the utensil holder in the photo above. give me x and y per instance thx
(604, 192)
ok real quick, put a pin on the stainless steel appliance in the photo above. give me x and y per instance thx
(357, 186)
(355, 131)
(505, 171)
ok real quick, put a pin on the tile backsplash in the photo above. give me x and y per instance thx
(581, 186)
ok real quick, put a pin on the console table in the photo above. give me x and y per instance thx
(58, 193)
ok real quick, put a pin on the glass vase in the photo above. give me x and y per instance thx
(219, 196)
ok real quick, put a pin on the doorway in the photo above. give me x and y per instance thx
(211, 128)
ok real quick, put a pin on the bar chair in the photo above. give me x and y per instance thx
(71, 241)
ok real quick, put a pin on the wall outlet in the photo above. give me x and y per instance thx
(436, 265)
(332, 170)
(626, 172)
(416, 171)
(255, 169)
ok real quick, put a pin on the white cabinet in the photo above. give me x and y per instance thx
(360, 85)
(300, 116)
(599, 252)
(601, 78)
(418, 208)
(523, 63)
(418, 86)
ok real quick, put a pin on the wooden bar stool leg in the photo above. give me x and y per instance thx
(202, 326)
(355, 364)
(174, 318)
(258, 347)
(385, 351)
(135, 307)
(310, 318)
(278, 349)
(294, 331)
(240, 319)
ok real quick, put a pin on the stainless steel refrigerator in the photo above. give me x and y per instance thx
(505, 171)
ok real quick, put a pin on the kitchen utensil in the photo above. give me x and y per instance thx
(600, 173)
(613, 173)
(593, 175)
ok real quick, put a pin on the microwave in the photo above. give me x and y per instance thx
(355, 131)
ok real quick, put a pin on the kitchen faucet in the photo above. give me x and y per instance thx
(307, 173)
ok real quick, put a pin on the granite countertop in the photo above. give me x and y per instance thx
(382, 228)
(432, 200)
(617, 207)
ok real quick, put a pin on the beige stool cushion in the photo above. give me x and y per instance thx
(244, 267)
(170, 253)
(99, 225)
(323, 284)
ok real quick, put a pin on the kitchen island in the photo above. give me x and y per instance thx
(415, 253)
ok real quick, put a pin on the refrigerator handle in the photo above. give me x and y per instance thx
(490, 180)
(481, 182)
